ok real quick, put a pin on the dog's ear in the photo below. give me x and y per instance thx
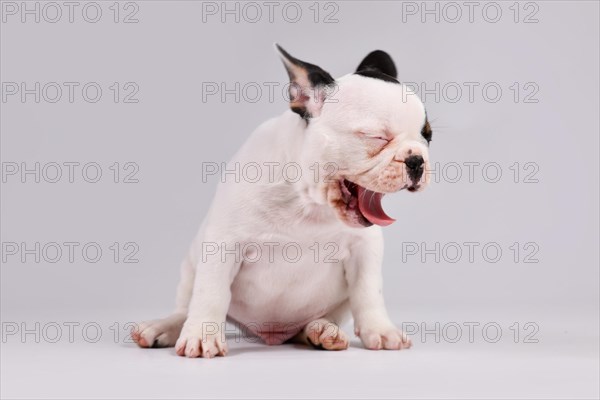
(309, 85)
(378, 61)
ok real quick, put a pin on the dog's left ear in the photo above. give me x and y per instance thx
(309, 85)
(378, 61)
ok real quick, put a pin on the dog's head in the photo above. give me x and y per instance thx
(367, 133)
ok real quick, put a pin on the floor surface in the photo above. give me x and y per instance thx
(563, 363)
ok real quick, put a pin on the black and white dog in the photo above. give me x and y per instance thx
(353, 140)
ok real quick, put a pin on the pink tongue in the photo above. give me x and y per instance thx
(369, 204)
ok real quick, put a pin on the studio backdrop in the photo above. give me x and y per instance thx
(116, 121)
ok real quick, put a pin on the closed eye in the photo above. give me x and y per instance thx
(376, 138)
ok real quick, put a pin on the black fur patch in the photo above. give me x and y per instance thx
(379, 65)
(315, 75)
(373, 73)
(426, 132)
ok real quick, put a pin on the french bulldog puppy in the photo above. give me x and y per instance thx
(289, 251)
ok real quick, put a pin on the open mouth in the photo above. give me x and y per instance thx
(364, 204)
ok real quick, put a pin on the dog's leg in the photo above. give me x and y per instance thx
(325, 333)
(159, 332)
(203, 333)
(165, 331)
(371, 321)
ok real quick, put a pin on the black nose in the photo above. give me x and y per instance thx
(414, 165)
(414, 162)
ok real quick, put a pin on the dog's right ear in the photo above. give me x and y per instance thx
(379, 61)
(308, 85)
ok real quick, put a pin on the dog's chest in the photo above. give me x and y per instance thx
(289, 280)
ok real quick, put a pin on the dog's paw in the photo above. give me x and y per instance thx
(326, 335)
(385, 336)
(201, 340)
(159, 332)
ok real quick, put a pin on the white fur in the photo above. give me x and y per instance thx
(278, 299)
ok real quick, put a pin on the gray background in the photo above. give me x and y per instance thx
(170, 132)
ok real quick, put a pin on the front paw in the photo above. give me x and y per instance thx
(202, 339)
(378, 336)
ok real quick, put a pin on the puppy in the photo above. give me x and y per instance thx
(294, 247)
